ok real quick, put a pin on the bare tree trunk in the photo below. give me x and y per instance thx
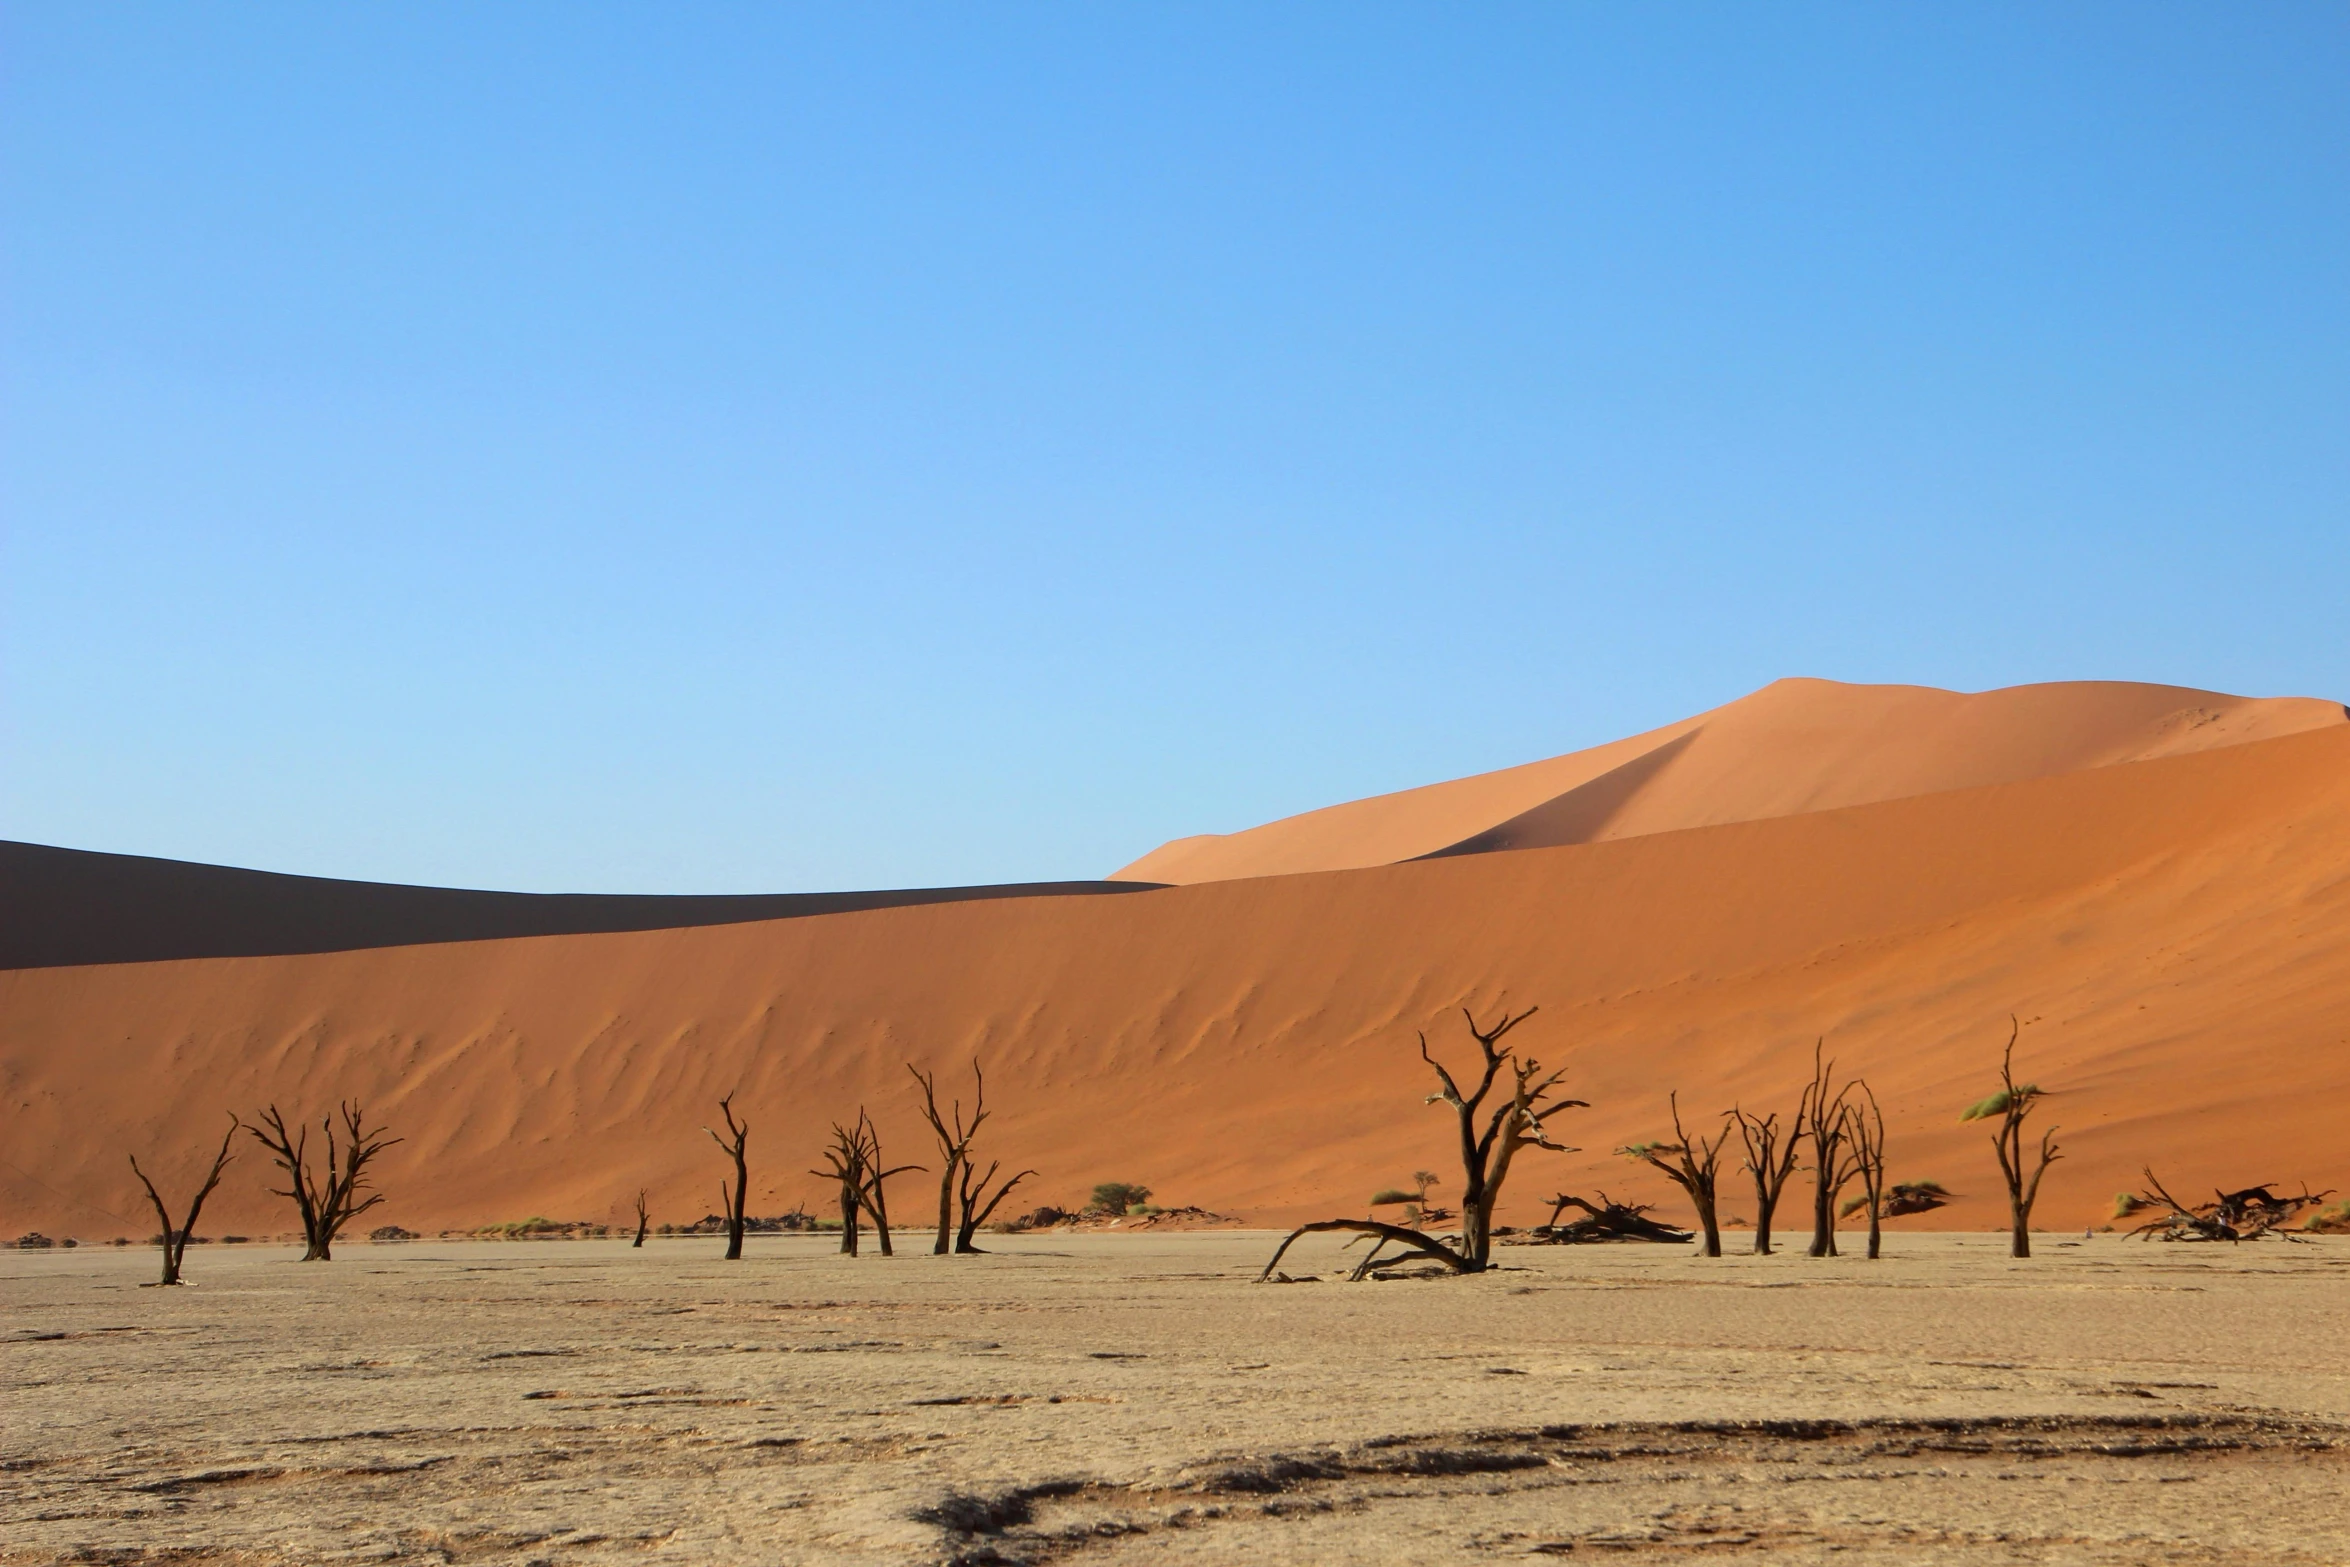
(1868, 1163)
(1421, 1246)
(1822, 1116)
(1513, 1123)
(1770, 1159)
(644, 1218)
(977, 1205)
(325, 1206)
(874, 1188)
(1694, 1167)
(2013, 1104)
(1486, 1157)
(845, 1163)
(175, 1241)
(945, 1241)
(738, 1136)
(954, 1144)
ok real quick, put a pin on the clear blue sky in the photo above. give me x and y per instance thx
(725, 448)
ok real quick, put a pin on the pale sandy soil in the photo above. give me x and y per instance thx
(1135, 1398)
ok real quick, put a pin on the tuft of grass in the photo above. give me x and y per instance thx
(2330, 1221)
(1390, 1197)
(1999, 1103)
(2128, 1203)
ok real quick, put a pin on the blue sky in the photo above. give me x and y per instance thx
(742, 448)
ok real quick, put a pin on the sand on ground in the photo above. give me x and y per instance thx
(1137, 1399)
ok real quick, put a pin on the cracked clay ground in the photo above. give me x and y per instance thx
(1120, 1399)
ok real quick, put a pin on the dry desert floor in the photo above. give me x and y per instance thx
(1135, 1398)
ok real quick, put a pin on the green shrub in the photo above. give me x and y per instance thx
(1390, 1197)
(1119, 1196)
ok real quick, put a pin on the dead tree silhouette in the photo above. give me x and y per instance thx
(2012, 1105)
(976, 1204)
(325, 1205)
(1606, 1220)
(2244, 1215)
(875, 1195)
(1770, 1159)
(845, 1163)
(644, 1218)
(1867, 1133)
(1516, 1121)
(964, 1202)
(175, 1241)
(1823, 1121)
(854, 1160)
(738, 1136)
(1694, 1167)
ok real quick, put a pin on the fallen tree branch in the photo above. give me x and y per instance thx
(1420, 1244)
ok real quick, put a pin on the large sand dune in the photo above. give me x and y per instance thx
(2171, 933)
(1795, 745)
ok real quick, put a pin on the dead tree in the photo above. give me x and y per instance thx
(977, 1204)
(872, 1192)
(1605, 1220)
(327, 1204)
(2245, 1215)
(1823, 1121)
(644, 1218)
(1516, 1121)
(964, 1199)
(954, 1146)
(1867, 1134)
(854, 1160)
(2012, 1104)
(1770, 1159)
(738, 1134)
(1691, 1166)
(954, 1142)
(175, 1241)
(845, 1163)
(1904, 1198)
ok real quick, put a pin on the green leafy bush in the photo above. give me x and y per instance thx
(1119, 1196)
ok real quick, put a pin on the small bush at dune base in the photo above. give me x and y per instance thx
(1119, 1197)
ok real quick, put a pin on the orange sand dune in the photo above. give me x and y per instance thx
(1795, 745)
(2172, 933)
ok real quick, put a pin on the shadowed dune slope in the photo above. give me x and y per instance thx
(2172, 935)
(1795, 745)
(62, 906)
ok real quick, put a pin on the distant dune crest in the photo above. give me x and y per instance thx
(1792, 747)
